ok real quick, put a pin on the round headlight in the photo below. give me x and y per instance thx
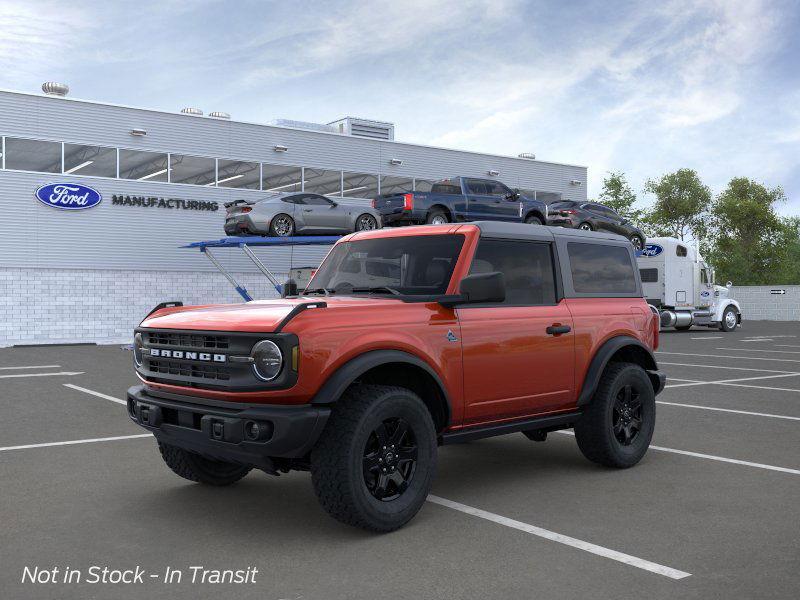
(267, 360)
(138, 342)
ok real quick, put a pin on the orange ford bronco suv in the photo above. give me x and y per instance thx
(406, 340)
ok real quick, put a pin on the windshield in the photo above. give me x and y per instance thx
(419, 265)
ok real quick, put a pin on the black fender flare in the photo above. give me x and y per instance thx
(345, 375)
(603, 356)
(536, 212)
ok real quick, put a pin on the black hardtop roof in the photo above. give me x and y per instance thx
(526, 231)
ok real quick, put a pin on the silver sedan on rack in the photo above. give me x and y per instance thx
(297, 213)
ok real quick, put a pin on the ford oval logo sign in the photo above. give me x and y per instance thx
(651, 250)
(68, 196)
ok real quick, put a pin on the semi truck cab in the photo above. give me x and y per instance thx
(681, 286)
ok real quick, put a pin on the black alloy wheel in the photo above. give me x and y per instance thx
(366, 223)
(390, 459)
(627, 415)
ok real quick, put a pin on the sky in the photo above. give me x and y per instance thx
(639, 87)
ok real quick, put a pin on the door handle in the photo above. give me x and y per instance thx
(556, 329)
(308, 210)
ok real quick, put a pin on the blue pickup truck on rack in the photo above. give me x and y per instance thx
(461, 199)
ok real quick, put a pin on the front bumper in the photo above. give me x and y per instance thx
(221, 430)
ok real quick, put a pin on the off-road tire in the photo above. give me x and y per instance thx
(723, 325)
(337, 460)
(272, 230)
(197, 468)
(437, 212)
(594, 431)
(533, 220)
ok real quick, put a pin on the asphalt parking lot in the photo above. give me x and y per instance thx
(711, 512)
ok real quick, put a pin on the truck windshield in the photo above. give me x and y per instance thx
(408, 265)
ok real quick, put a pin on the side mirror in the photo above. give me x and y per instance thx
(512, 195)
(729, 285)
(478, 288)
(289, 288)
(334, 204)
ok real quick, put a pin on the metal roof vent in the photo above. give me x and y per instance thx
(377, 130)
(192, 111)
(219, 115)
(527, 155)
(51, 88)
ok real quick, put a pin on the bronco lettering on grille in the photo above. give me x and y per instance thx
(204, 356)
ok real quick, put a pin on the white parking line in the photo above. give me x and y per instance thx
(721, 356)
(759, 350)
(41, 374)
(31, 367)
(711, 337)
(562, 539)
(724, 367)
(761, 387)
(758, 340)
(725, 381)
(730, 410)
(733, 461)
(72, 442)
(93, 393)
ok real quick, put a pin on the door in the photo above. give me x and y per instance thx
(322, 214)
(481, 204)
(601, 218)
(518, 355)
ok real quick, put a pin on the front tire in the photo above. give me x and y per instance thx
(729, 320)
(197, 468)
(281, 226)
(616, 428)
(533, 220)
(376, 458)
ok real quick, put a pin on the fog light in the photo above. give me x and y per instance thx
(252, 430)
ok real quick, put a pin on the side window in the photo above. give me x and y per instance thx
(476, 186)
(526, 266)
(601, 269)
(316, 200)
(446, 186)
(293, 200)
(495, 188)
(681, 251)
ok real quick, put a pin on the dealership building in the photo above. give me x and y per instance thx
(90, 275)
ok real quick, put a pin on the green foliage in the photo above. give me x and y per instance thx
(618, 195)
(681, 205)
(750, 243)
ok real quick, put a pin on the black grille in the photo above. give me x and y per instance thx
(187, 369)
(188, 340)
(648, 275)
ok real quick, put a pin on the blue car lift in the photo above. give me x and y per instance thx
(245, 244)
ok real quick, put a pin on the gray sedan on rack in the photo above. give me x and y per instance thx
(298, 213)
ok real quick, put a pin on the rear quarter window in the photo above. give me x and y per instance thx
(601, 269)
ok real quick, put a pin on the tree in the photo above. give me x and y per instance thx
(750, 243)
(681, 205)
(617, 194)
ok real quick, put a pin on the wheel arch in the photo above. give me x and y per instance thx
(391, 367)
(619, 349)
(535, 212)
(444, 208)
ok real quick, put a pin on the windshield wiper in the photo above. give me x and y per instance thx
(382, 289)
(323, 290)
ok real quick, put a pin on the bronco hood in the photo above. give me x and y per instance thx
(261, 316)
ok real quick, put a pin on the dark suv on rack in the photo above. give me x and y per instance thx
(591, 216)
(405, 340)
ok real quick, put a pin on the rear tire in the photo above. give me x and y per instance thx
(281, 226)
(730, 321)
(617, 426)
(586, 226)
(197, 468)
(376, 458)
(437, 216)
(533, 220)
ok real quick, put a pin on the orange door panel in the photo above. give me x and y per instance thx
(512, 366)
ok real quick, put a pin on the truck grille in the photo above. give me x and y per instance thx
(188, 340)
(188, 369)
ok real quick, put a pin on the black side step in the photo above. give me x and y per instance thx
(550, 422)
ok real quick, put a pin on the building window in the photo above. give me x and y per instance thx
(96, 161)
(423, 185)
(194, 170)
(359, 185)
(321, 181)
(144, 166)
(396, 185)
(237, 174)
(280, 178)
(33, 155)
